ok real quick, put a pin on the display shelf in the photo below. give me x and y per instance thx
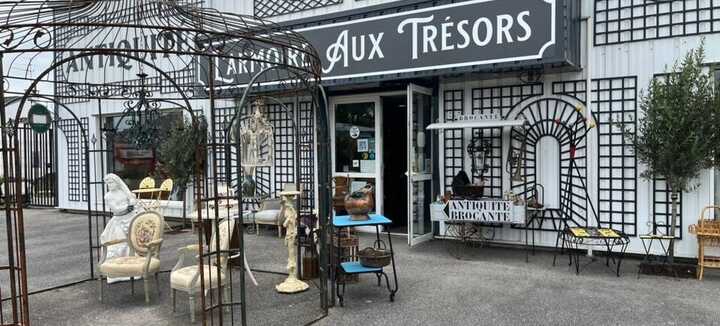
(354, 267)
(348, 268)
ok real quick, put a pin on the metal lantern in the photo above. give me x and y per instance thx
(479, 151)
(256, 140)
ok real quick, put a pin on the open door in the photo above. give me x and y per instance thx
(419, 164)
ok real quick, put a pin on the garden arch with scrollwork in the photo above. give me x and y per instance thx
(183, 33)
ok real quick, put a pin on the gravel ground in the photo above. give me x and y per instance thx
(488, 286)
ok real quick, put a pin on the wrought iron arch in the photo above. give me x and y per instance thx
(564, 121)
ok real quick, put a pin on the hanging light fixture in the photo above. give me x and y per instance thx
(143, 114)
(257, 146)
(256, 139)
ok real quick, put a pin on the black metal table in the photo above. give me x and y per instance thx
(353, 267)
(573, 238)
(648, 240)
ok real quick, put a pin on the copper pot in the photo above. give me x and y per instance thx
(359, 203)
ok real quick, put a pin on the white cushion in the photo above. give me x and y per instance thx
(268, 216)
(128, 266)
(181, 278)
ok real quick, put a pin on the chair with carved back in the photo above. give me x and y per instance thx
(145, 237)
(185, 276)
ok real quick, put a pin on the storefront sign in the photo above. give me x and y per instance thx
(479, 117)
(488, 211)
(469, 33)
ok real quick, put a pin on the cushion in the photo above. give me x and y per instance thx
(145, 227)
(128, 266)
(270, 204)
(181, 278)
(267, 216)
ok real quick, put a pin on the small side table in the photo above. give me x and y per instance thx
(573, 238)
(648, 240)
(352, 268)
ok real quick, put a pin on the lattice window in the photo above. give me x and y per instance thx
(269, 8)
(618, 21)
(284, 166)
(453, 107)
(662, 209)
(614, 101)
(498, 100)
(307, 156)
(77, 190)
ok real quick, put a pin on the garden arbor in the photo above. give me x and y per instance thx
(138, 59)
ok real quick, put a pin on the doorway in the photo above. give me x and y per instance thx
(395, 151)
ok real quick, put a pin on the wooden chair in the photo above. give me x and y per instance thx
(144, 240)
(185, 276)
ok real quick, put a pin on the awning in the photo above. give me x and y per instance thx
(476, 124)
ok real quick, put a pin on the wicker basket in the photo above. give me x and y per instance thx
(376, 256)
(346, 239)
(709, 230)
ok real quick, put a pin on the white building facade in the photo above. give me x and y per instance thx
(391, 68)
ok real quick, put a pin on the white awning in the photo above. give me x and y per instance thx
(476, 124)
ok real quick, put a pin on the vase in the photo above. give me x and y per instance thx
(359, 203)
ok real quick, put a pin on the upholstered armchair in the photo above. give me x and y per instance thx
(185, 276)
(144, 240)
(269, 214)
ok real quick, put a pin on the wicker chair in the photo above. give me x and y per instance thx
(144, 239)
(185, 276)
(708, 235)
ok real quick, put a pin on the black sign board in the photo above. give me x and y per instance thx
(462, 34)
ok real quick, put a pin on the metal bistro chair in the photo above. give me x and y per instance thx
(185, 276)
(144, 239)
(166, 188)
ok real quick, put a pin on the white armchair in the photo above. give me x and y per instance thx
(144, 240)
(185, 276)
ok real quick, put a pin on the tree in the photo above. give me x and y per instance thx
(177, 155)
(676, 132)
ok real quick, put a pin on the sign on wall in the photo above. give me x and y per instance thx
(476, 32)
(486, 211)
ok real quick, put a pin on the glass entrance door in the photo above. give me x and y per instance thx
(419, 164)
(356, 144)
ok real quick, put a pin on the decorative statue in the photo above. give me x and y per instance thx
(123, 205)
(292, 284)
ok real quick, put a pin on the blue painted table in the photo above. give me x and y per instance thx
(344, 221)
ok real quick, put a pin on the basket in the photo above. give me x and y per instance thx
(346, 239)
(376, 256)
(707, 229)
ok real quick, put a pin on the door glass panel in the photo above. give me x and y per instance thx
(355, 137)
(420, 163)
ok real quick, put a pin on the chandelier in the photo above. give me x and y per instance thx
(143, 114)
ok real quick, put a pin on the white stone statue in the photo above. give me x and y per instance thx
(124, 206)
(292, 284)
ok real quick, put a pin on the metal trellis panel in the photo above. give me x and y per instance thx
(77, 190)
(269, 8)
(499, 100)
(453, 107)
(614, 101)
(662, 209)
(623, 21)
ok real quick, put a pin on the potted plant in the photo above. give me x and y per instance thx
(176, 157)
(676, 133)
